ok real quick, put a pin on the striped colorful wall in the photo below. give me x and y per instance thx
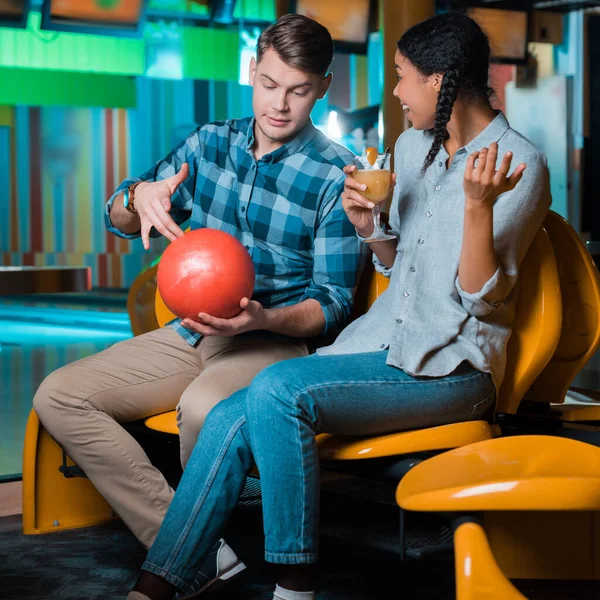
(58, 165)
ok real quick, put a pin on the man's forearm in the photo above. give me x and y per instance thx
(122, 219)
(303, 320)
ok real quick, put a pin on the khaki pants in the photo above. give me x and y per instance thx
(82, 404)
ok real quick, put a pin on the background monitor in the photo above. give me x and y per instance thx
(507, 31)
(221, 11)
(108, 17)
(13, 13)
(348, 21)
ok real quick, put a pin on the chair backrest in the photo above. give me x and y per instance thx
(580, 290)
(163, 314)
(141, 302)
(370, 286)
(537, 325)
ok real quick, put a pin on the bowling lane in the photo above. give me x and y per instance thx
(37, 336)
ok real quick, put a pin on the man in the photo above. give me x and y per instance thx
(274, 182)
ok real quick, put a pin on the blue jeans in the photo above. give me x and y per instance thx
(273, 423)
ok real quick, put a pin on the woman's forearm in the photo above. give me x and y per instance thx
(385, 251)
(478, 260)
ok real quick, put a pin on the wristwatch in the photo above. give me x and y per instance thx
(129, 198)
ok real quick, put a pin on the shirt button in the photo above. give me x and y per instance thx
(438, 188)
(247, 247)
(399, 321)
(382, 346)
(428, 213)
(412, 269)
(253, 167)
(440, 163)
(243, 209)
(421, 241)
(406, 294)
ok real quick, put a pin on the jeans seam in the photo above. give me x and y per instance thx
(377, 381)
(202, 497)
(478, 404)
(302, 524)
(165, 574)
(305, 557)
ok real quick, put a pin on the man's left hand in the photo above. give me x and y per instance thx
(252, 317)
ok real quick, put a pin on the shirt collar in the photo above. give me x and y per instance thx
(296, 144)
(492, 133)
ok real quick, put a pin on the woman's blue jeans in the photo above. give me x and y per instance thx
(273, 423)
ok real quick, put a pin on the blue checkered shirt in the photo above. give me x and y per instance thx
(285, 208)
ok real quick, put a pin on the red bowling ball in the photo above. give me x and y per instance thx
(205, 271)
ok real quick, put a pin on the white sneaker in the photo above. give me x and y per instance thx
(221, 565)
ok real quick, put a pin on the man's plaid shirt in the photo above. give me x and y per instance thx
(285, 208)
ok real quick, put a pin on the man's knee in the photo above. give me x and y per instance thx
(192, 412)
(51, 397)
(191, 415)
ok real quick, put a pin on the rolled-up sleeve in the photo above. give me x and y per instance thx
(338, 260)
(182, 200)
(518, 215)
(381, 268)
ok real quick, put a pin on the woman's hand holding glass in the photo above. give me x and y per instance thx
(358, 203)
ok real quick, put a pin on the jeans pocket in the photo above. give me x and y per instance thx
(484, 408)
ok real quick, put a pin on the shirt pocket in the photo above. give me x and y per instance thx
(216, 197)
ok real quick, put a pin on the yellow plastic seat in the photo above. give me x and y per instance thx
(520, 473)
(580, 335)
(165, 422)
(51, 501)
(524, 472)
(163, 314)
(534, 339)
(334, 447)
(478, 576)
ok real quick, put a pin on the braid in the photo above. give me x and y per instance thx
(443, 112)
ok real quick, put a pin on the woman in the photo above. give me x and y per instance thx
(430, 351)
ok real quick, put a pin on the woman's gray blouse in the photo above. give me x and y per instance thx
(428, 323)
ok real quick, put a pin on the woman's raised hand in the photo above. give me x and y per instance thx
(482, 183)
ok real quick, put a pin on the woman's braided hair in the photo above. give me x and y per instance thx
(455, 45)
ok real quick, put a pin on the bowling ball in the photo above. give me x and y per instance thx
(205, 271)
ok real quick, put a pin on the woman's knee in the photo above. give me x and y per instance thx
(275, 387)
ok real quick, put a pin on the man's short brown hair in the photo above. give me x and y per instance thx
(300, 42)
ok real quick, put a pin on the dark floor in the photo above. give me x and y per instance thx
(359, 547)
(103, 562)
